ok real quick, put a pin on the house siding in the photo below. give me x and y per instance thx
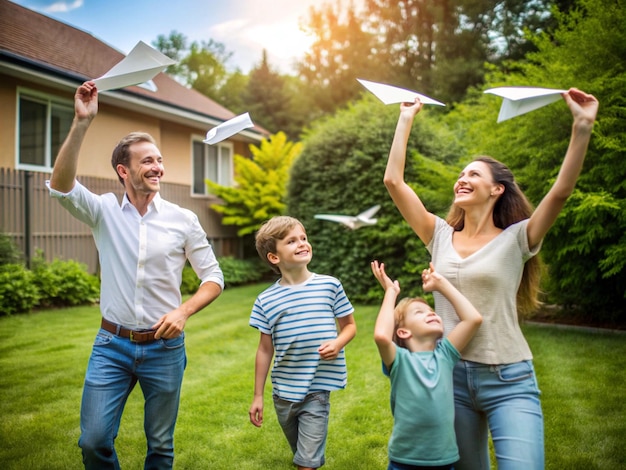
(38, 224)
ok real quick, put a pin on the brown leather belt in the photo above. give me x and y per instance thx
(133, 335)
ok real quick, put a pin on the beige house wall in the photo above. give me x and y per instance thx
(8, 104)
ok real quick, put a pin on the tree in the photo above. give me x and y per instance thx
(265, 97)
(204, 67)
(201, 65)
(260, 184)
(232, 93)
(439, 48)
(342, 52)
(174, 46)
(585, 251)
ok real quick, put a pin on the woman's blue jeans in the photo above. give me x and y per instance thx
(503, 400)
(115, 366)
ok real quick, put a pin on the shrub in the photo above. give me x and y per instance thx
(64, 282)
(190, 282)
(236, 272)
(340, 171)
(9, 252)
(242, 271)
(18, 291)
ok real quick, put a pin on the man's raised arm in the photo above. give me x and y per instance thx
(66, 164)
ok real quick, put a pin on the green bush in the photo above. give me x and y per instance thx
(64, 283)
(9, 252)
(236, 272)
(18, 291)
(190, 282)
(340, 171)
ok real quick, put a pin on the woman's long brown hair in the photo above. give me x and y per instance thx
(511, 207)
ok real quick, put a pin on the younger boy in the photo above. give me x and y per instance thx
(420, 364)
(297, 317)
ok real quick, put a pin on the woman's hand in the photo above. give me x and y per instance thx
(411, 109)
(584, 107)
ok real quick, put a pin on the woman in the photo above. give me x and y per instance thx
(486, 248)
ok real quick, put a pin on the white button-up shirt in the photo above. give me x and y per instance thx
(141, 258)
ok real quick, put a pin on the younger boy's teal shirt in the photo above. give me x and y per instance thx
(422, 404)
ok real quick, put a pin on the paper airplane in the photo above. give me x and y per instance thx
(390, 94)
(353, 222)
(140, 65)
(521, 100)
(228, 128)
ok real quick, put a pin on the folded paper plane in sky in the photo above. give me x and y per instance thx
(390, 94)
(141, 64)
(228, 128)
(521, 100)
(353, 222)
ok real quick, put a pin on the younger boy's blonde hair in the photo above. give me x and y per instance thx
(272, 231)
(399, 314)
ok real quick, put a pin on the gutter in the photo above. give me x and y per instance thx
(36, 72)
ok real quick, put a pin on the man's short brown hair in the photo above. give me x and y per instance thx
(121, 154)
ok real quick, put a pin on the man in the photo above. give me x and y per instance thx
(143, 245)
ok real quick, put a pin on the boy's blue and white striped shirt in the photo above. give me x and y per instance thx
(299, 319)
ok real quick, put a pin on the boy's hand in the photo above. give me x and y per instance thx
(329, 351)
(431, 279)
(385, 281)
(256, 412)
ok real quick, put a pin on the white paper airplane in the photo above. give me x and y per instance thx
(353, 222)
(228, 128)
(141, 64)
(521, 100)
(390, 94)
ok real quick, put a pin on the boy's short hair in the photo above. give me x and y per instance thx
(270, 232)
(399, 314)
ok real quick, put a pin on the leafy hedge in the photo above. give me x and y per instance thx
(340, 171)
(236, 272)
(63, 283)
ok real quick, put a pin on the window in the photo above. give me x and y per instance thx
(211, 162)
(43, 125)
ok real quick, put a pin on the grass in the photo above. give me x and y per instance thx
(43, 357)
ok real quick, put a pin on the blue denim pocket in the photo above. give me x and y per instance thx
(515, 372)
(102, 338)
(173, 343)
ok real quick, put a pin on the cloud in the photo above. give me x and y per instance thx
(62, 7)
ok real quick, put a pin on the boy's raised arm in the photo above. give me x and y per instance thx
(385, 323)
(471, 319)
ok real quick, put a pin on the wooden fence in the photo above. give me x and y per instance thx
(36, 222)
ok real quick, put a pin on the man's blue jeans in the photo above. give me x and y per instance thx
(503, 400)
(115, 366)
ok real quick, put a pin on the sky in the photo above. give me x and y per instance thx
(245, 27)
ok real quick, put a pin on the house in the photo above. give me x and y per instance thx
(42, 61)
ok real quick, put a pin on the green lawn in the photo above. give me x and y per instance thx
(43, 358)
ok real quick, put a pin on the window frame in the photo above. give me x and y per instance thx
(50, 102)
(220, 147)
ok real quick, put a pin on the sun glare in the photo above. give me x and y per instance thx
(283, 40)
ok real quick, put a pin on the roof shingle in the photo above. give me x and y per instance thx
(57, 46)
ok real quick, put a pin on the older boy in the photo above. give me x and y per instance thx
(297, 317)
